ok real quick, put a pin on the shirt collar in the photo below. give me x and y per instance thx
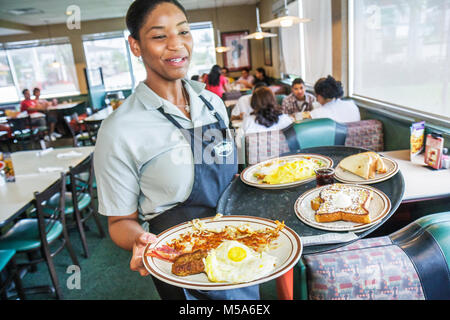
(152, 101)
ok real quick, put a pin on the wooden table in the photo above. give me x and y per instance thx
(15, 197)
(421, 182)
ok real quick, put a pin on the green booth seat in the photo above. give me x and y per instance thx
(280, 98)
(412, 263)
(315, 133)
(24, 235)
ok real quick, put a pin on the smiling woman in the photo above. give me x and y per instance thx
(141, 154)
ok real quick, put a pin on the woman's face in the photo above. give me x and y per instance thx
(320, 99)
(165, 43)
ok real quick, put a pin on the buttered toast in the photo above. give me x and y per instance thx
(365, 164)
(342, 202)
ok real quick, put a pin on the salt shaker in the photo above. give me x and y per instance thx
(2, 178)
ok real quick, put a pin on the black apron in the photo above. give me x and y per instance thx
(215, 165)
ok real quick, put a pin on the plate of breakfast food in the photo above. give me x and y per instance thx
(365, 168)
(223, 252)
(285, 172)
(342, 207)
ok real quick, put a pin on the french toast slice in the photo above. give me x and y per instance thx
(343, 202)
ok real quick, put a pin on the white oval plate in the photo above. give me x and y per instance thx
(248, 178)
(288, 252)
(348, 177)
(379, 207)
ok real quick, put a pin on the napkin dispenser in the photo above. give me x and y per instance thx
(434, 150)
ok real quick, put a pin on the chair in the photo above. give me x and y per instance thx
(79, 136)
(79, 200)
(315, 133)
(9, 267)
(32, 235)
(409, 264)
(92, 128)
(22, 131)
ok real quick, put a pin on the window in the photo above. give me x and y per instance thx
(8, 92)
(122, 70)
(306, 48)
(204, 54)
(45, 64)
(109, 51)
(400, 54)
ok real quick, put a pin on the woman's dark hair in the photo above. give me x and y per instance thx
(265, 107)
(329, 88)
(140, 9)
(214, 75)
(261, 70)
(35, 90)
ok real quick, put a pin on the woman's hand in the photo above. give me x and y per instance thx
(141, 241)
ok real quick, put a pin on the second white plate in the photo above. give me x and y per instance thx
(379, 207)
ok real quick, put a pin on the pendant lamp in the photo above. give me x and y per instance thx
(219, 48)
(259, 34)
(285, 20)
(55, 64)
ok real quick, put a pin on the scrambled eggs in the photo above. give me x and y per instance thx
(292, 171)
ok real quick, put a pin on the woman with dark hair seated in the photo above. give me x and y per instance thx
(329, 92)
(260, 76)
(266, 115)
(216, 82)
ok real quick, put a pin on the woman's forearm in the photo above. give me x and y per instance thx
(124, 230)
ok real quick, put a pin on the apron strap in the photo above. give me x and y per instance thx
(208, 105)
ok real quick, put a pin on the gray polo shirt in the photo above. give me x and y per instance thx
(142, 161)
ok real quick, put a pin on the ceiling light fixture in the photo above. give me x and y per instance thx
(220, 48)
(285, 20)
(55, 64)
(259, 34)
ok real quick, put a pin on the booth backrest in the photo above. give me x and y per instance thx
(409, 264)
(265, 145)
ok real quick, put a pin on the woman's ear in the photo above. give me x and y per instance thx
(134, 46)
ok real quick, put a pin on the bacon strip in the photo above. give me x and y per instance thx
(164, 253)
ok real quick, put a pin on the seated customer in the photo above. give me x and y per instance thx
(27, 104)
(260, 76)
(216, 82)
(246, 80)
(266, 115)
(225, 73)
(299, 100)
(243, 106)
(52, 117)
(328, 92)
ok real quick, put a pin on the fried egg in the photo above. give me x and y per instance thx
(292, 171)
(235, 262)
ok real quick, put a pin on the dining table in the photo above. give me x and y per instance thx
(422, 183)
(240, 198)
(64, 106)
(35, 170)
(99, 116)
